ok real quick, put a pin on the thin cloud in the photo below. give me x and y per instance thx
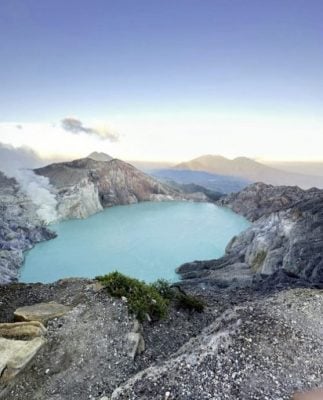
(76, 126)
(12, 158)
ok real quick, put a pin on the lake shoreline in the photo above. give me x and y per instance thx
(123, 232)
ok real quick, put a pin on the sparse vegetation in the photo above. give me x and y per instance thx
(188, 302)
(151, 300)
(142, 298)
(164, 288)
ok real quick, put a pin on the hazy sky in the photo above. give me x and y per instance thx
(172, 79)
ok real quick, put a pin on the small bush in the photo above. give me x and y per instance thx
(152, 299)
(188, 302)
(142, 298)
(164, 288)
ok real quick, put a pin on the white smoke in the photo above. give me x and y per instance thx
(14, 163)
(41, 192)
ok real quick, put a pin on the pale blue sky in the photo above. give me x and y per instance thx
(117, 61)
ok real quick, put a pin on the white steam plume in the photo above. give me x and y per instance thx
(14, 163)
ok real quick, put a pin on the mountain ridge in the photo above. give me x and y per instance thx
(249, 169)
(86, 186)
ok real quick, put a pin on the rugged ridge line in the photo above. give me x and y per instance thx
(86, 186)
(286, 237)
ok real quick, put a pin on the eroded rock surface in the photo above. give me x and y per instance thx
(251, 343)
(18, 330)
(20, 228)
(42, 312)
(15, 355)
(286, 236)
(86, 186)
(90, 351)
(260, 350)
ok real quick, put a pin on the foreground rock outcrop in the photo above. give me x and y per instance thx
(20, 228)
(93, 348)
(286, 237)
(265, 349)
(15, 355)
(41, 312)
(250, 343)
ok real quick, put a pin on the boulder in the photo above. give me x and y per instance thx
(136, 340)
(41, 312)
(15, 355)
(22, 330)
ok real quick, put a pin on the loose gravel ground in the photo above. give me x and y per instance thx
(87, 354)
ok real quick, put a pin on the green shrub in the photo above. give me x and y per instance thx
(188, 302)
(148, 299)
(142, 298)
(164, 288)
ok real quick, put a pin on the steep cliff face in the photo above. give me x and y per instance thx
(20, 228)
(259, 199)
(286, 236)
(86, 186)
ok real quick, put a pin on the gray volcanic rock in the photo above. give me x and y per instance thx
(260, 199)
(89, 350)
(20, 228)
(287, 235)
(264, 349)
(99, 156)
(86, 186)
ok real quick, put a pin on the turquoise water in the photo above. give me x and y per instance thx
(146, 241)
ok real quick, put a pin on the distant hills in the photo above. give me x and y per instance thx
(214, 182)
(250, 170)
(222, 175)
(314, 168)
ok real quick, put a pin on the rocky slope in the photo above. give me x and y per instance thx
(86, 186)
(90, 350)
(20, 228)
(228, 352)
(238, 357)
(286, 236)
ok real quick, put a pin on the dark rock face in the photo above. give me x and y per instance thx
(20, 228)
(86, 186)
(260, 200)
(287, 236)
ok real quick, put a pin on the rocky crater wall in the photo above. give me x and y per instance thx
(286, 236)
(20, 228)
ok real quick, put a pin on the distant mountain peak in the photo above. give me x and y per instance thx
(99, 156)
(247, 168)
